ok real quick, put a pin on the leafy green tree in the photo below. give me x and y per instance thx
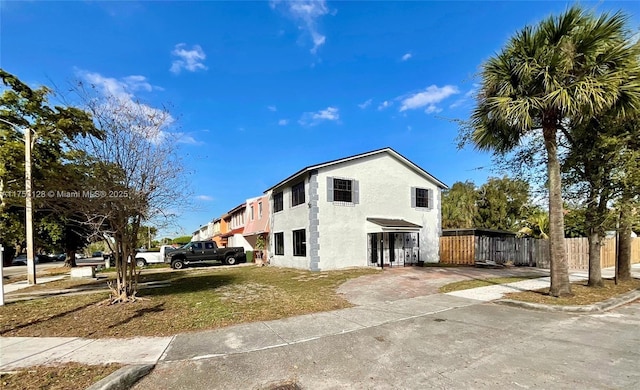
(502, 204)
(565, 69)
(459, 209)
(54, 130)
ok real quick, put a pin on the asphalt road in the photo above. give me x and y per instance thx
(486, 346)
(17, 270)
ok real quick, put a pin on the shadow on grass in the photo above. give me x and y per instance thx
(189, 283)
(41, 320)
(141, 312)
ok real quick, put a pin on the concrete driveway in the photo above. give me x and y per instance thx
(408, 282)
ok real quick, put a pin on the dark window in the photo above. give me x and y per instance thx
(278, 204)
(209, 245)
(279, 243)
(299, 243)
(297, 194)
(342, 190)
(422, 197)
(197, 246)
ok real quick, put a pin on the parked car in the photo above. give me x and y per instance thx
(22, 260)
(143, 257)
(202, 251)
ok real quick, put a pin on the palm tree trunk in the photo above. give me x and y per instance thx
(595, 270)
(623, 260)
(559, 267)
(593, 219)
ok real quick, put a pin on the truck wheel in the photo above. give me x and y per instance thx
(230, 260)
(141, 263)
(177, 264)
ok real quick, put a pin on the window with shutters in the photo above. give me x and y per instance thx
(342, 191)
(421, 198)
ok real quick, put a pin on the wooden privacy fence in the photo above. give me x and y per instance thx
(470, 250)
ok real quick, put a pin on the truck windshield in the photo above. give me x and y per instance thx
(187, 246)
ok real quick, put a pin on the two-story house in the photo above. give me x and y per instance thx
(370, 209)
(235, 220)
(256, 229)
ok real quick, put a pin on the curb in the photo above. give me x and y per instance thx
(609, 304)
(123, 378)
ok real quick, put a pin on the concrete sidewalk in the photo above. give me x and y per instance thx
(492, 293)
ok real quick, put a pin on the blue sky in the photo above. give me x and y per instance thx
(262, 89)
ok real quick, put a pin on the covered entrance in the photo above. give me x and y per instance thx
(396, 244)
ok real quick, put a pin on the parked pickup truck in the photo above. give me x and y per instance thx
(199, 251)
(144, 258)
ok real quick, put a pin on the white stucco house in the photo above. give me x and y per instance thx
(371, 209)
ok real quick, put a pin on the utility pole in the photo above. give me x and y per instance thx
(31, 264)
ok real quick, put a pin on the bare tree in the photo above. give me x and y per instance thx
(134, 175)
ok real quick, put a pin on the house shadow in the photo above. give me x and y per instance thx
(187, 283)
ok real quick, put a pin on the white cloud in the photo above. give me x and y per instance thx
(406, 56)
(365, 104)
(272, 108)
(191, 60)
(313, 118)
(283, 122)
(469, 94)
(428, 98)
(431, 108)
(119, 93)
(183, 138)
(384, 105)
(306, 14)
(206, 198)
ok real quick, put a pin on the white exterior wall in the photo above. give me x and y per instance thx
(238, 240)
(384, 192)
(286, 221)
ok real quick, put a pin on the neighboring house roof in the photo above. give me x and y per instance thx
(390, 151)
(236, 209)
(233, 232)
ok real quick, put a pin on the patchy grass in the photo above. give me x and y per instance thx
(62, 377)
(181, 301)
(473, 283)
(582, 294)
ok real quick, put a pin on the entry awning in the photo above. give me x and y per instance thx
(395, 225)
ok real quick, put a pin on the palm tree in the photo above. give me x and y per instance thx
(566, 68)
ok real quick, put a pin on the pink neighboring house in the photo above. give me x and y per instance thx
(257, 223)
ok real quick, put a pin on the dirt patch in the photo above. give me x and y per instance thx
(582, 294)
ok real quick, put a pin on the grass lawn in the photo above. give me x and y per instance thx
(582, 295)
(67, 376)
(473, 283)
(187, 300)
